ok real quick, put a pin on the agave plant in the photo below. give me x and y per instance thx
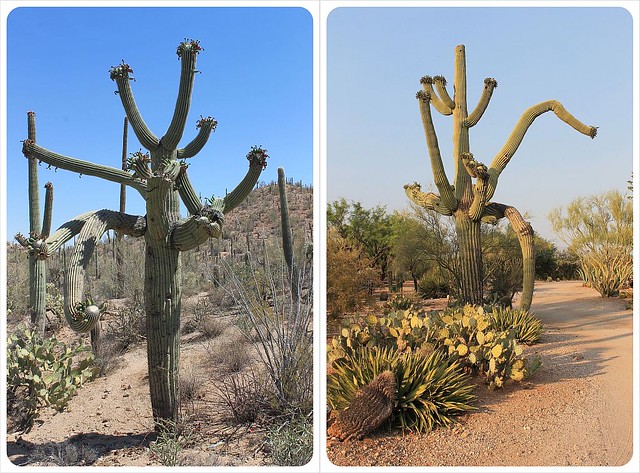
(527, 326)
(431, 389)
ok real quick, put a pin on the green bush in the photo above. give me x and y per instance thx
(291, 443)
(432, 389)
(466, 335)
(44, 372)
(527, 326)
(432, 286)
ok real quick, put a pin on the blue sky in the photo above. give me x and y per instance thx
(256, 80)
(581, 57)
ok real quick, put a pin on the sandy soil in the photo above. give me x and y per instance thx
(575, 411)
(109, 421)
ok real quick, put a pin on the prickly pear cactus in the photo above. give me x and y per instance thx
(160, 176)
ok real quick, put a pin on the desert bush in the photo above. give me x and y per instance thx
(173, 438)
(433, 286)
(464, 334)
(399, 302)
(204, 320)
(128, 327)
(291, 443)
(245, 397)
(432, 389)
(278, 324)
(350, 275)
(65, 453)
(527, 326)
(43, 372)
(228, 353)
(599, 232)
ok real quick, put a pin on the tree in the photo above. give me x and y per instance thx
(408, 247)
(160, 177)
(466, 201)
(371, 228)
(599, 232)
(350, 275)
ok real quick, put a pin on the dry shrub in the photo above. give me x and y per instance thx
(228, 354)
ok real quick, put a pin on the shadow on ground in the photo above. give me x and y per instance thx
(78, 450)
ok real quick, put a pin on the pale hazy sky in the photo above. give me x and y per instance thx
(581, 57)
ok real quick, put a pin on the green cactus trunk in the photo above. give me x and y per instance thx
(37, 270)
(162, 305)
(470, 247)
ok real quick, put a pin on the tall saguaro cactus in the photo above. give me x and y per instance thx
(468, 198)
(160, 176)
(37, 270)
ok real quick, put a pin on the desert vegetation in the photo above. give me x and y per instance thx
(389, 345)
(261, 359)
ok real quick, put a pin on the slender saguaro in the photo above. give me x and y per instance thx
(37, 270)
(468, 199)
(160, 176)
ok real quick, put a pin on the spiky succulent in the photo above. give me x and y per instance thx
(527, 326)
(431, 389)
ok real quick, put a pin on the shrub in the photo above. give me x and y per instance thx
(464, 334)
(432, 389)
(527, 326)
(44, 372)
(432, 286)
(291, 443)
(398, 302)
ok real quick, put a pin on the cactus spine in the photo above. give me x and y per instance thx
(160, 176)
(468, 199)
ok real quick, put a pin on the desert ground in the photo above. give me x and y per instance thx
(575, 411)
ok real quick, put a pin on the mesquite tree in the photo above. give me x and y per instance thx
(468, 198)
(160, 176)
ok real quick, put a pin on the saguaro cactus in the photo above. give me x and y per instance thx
(469, 202)
(287, 235)
(160, 176)
(37, 271)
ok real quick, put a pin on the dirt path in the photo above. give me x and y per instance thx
(575, 411)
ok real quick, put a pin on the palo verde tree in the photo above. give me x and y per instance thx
(468, 197)
(160, 177)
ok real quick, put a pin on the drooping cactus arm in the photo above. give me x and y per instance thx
(441, 88)
(197, 229)
(257, 162)
(48, 210)
(81, 314)
(479, 172)
(206, 126)
(120, 74)
(503, 157)
(126, 224)
(108, 173)
(524, 233)
(427, 200)
(187, 52)
(439, 174)
(487, 92)
(427, 85)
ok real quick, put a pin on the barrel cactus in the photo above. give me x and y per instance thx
(468, 197)
(160, 176)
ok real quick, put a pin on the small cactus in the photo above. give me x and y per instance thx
(372, 405)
